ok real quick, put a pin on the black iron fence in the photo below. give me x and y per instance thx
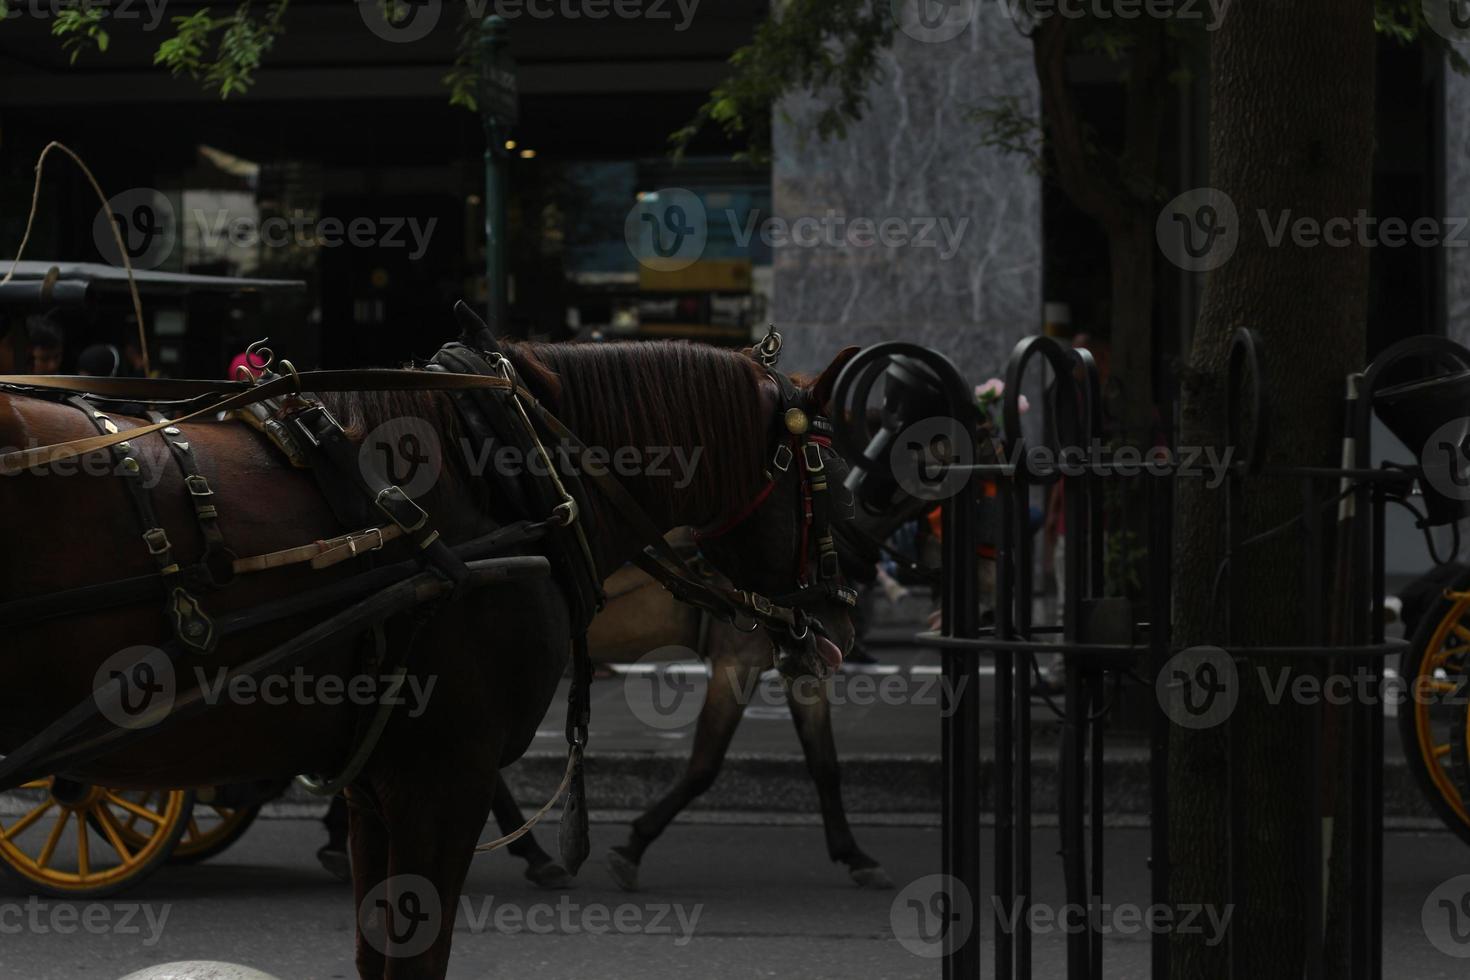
(910, 425)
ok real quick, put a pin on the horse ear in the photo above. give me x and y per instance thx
(821, 389)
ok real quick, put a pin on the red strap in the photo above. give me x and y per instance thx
(727, 526)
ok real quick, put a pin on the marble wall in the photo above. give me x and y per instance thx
(953, 258)
(1457, 202)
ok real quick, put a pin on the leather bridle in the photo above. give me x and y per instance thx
(803, 444)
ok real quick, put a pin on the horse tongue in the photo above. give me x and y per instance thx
(829, 651)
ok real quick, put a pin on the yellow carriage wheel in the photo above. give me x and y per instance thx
(76, 840)
(212, 827)
(1436, 672)
(213, 831)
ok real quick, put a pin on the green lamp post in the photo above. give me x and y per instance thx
(500, 110)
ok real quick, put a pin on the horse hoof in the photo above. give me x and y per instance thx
(623, 870)
(874, 877)
(335, 861)
(549, 874)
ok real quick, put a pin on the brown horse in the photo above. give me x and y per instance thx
(640, 617)
(494, 656)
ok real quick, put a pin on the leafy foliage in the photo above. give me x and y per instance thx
(831, 48)
(241, 42)
(822, 46)
(1403, 20)
(79, 24)
(463, 77)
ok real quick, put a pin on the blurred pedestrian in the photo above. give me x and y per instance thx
(46, 342)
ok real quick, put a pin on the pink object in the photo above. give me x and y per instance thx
(246, 361)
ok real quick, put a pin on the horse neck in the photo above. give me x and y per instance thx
(615, 539)
(679, 428)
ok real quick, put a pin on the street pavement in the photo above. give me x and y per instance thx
(744, 890)
(720, 900)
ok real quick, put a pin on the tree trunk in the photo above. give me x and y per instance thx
(1291, 132)
(1130, 395)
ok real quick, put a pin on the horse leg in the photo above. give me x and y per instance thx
(368, 840)
(433, 827)
(812, 714)
(731, 683)
(541, 868)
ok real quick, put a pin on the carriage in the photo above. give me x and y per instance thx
(40, 822)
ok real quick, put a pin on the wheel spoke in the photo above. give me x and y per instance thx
(49, 851)
(24, 822)
(84, 854)
(110, 831)
(136, 810)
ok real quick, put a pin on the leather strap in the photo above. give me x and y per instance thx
(218, 560)
(322, 554)
(186, 618)
(233, 395)
(344, 482)
(658, 558)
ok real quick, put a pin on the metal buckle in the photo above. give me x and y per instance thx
(402, 500)
(352, 540)
(316, 411)
(782, 459)
(198, 486)
(768, 351)
(759, 603)
(813, 454)
(564, 514)
(157, 540)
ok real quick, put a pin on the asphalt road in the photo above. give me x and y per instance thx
(719, 901)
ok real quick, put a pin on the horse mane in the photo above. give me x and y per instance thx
(649, 395)
(660, 394)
